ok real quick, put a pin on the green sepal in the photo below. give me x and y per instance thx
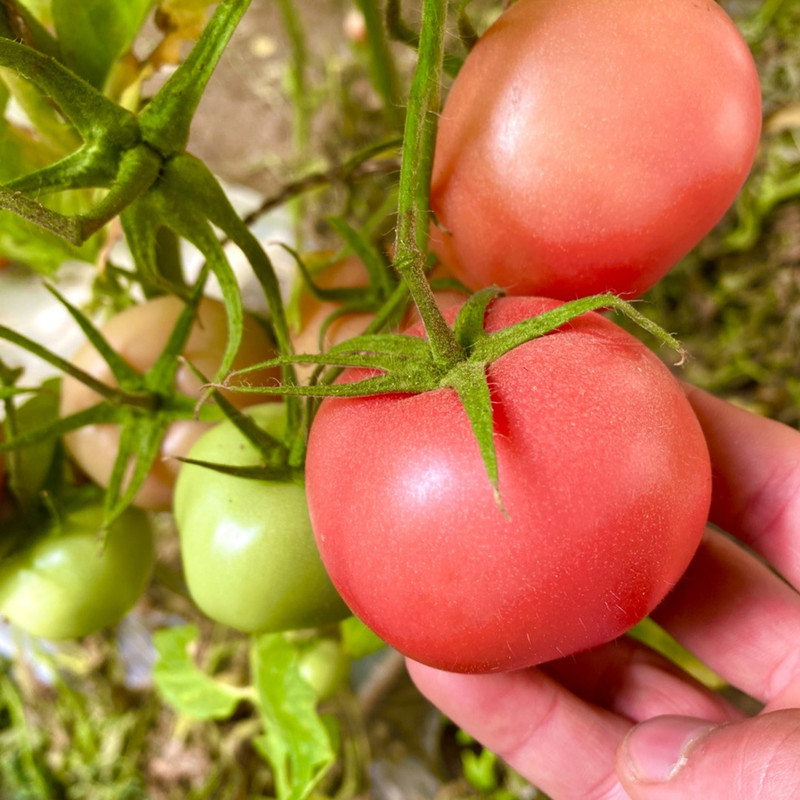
(259, 473)
(96, 118)
(468, 326)
(210, 198)
(125, 375)
(160, 378)
(494, 345)
(67, 367)
(273, 452)
(397, 344)
(166, 120)
(175, 201)
(98, 414)
(471, 383)
(142, 222)
(139, 443)
(381, 279)
(361, 297)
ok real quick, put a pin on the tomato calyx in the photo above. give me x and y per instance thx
(276, 461)
(143, 405)
(405, 363)
(152, 183)
(264, 472)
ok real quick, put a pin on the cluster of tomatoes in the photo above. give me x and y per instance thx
(583, 148)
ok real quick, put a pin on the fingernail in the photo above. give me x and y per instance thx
(655, 750)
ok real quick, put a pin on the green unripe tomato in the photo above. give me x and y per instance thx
(248, 550)
(324, 666)
(66, 583)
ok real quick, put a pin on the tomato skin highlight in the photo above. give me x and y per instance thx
(586, 147)
(604, 474)
(247, 547)
(65, 584)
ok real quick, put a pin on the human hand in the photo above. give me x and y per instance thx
(621, 721)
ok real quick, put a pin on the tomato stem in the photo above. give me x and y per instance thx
(415, 171)
(382, 72)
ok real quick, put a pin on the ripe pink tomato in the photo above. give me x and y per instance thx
(604, 474)
(587, 146)
(139, 334)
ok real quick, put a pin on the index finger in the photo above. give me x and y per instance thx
(756, 479)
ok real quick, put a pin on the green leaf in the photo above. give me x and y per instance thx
(94, 33)
(41, 10)
(29, 466)
(44, 252)
(296, 741)
(184, 685)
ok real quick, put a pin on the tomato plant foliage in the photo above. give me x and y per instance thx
(586, 147)
(603, 473)
(495, 497)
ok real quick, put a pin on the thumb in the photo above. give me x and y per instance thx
(674, 758)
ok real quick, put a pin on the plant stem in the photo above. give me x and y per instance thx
(415, 172)
(382, 68)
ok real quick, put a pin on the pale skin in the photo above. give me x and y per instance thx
(622, 722)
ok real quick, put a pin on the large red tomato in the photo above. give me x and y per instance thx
(587, 145)
(604, 474)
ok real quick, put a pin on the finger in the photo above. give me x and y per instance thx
(756, 479)
(632, 680)
(534, 725)
(674, 758)
(737, 616)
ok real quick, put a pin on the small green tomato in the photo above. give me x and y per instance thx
(248, 550)
(67, 582)
(324, 666)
